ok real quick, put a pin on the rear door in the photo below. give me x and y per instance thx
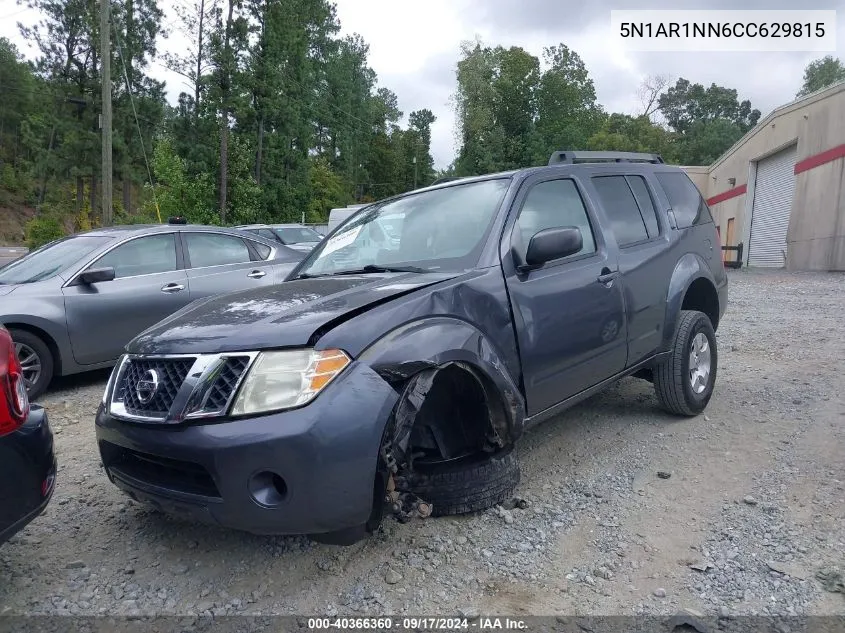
(149, 285)
(219, 263)
(645, 264)
(568, 315)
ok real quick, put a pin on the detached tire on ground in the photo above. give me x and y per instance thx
(36, 361)
(464, 486)
(684, 381)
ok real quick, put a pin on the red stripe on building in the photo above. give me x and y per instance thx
(727, 195)
(820, 159)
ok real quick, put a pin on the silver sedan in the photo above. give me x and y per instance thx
(73, 305)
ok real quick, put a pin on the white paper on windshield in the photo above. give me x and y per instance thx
(341, 240)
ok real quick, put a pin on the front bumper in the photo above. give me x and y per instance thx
(27, 473)
(306, 471)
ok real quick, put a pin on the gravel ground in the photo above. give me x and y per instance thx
(746, 517)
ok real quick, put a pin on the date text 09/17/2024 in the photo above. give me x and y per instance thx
(417, 624)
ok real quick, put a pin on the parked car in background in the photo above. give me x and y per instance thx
(72, 305)
(340, 215)
(27, 460)
(406, 370)
(296, 236)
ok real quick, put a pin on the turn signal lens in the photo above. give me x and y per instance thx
(286, 379)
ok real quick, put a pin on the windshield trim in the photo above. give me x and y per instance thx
(484, 239)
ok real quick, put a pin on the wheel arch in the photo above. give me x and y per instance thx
(691, 287)
(45, 336)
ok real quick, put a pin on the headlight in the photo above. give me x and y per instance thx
(286, 379)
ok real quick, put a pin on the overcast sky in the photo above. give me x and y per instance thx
(414, 46)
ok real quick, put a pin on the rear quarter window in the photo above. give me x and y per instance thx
(688, 205)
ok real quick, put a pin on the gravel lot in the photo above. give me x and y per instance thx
(748, 521)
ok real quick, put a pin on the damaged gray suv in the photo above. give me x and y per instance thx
(398, 372)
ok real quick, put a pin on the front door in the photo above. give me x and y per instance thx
(148, 286)
(569, 313)
(219, 263)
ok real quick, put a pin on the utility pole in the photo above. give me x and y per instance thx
(105, 67)
(415, 171)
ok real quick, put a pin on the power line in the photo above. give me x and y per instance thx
(137, 123)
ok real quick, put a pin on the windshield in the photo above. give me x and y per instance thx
(297, 234)
(441, 229)
(50, 260)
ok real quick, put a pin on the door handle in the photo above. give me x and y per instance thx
(607, 276)
(172, 287)
(256, 274)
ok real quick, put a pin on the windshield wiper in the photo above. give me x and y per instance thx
(369, 268)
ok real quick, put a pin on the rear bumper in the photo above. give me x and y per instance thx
(306, 471)
(29, 451)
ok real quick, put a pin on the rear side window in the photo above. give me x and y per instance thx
(262, 249)
(215, 249)
(687, 204)
(621, 208)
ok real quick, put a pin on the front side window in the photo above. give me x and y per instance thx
(142, 256)
(688, 205)
(553, 204)
(215, 249)
(441, 229)
(51, 259)
(621, 209)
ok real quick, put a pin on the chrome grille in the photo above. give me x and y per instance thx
(171, 373)
(223, 387)
(184, 389)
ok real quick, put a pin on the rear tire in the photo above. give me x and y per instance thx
(36, 361)
(469, 485)
(684, 382)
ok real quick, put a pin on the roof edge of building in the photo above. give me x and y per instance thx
(818, 95)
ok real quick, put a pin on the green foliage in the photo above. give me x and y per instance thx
(41, 230)
(176, 192)
(706, 121)
(512, 114)
(821, 73)
(328, 192)
(624, 133)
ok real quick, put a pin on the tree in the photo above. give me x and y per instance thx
(569, 113)
(686, 103)
(196, 26)
(228, 41)
(625, 133)
(649, 93)
(821, 73)
(707, 121)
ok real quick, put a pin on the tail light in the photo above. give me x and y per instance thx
(14, 403)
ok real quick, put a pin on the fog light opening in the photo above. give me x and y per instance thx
(268, 489)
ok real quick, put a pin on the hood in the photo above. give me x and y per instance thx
(284, 315)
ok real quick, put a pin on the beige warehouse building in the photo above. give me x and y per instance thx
(779, 192)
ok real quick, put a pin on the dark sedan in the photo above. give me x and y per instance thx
(27, 461)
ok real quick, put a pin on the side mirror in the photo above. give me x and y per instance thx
(96, 275)
(550, 244)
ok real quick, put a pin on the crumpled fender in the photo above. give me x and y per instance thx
(418, 350)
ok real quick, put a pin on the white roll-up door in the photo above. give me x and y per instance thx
(773, 193)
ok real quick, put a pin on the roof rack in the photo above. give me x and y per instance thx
(567, 157)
